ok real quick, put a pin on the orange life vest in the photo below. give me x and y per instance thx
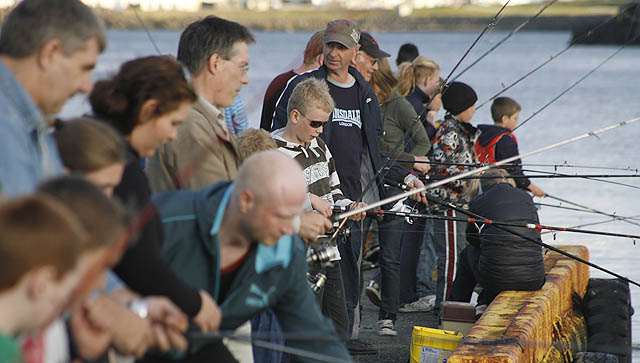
(487, 154)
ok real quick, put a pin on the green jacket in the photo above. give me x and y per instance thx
(397, 117)
(270, 277)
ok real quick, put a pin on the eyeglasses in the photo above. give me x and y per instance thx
(244, 67)
(372, 60)
(314, 124)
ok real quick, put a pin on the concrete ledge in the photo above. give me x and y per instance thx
(522, 326)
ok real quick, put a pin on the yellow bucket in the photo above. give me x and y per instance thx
(432, 345)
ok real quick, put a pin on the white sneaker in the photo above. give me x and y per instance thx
(386, 328)
(423, 304)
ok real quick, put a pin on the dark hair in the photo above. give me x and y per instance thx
(211, 35)
(34, 22)
(118, 100)
(103, 217)
(86, 145)
(503, 106)
(37, 231)
(407, 53)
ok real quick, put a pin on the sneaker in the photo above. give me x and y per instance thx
(373, 293)
(423, 304)
(386, 328)
(358, 347)
(480, 310)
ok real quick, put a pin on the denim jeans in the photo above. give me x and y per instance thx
(427, 263)
(331, 299)
(267, 322)
(390, 234)
(350, 252)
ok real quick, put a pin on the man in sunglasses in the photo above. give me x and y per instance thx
(353, 137)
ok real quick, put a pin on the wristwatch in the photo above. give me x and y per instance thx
(139, 307)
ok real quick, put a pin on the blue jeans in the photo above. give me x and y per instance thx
(267, 322)
(349, 262)
(425, 283)
(390, 235)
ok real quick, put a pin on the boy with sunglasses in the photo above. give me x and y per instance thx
(309, 108)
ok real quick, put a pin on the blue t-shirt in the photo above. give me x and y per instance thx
(346, 136)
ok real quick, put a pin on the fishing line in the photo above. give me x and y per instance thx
(589, 208)
(547, 246)
(599, 222)
(517, 29)
(146, 30)
(478, 170)
(584, 176)
(526, 75)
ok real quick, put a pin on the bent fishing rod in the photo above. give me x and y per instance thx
(583, 36)
(517, 29)
(539, 227)
(539, 243)
(481, 169)
(564, 165)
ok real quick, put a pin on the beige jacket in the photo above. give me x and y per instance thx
(203, 153)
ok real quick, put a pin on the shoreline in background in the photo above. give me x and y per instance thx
(558, 17)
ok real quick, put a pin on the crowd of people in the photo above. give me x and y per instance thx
(159, 224)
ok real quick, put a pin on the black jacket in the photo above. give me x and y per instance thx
(371, 123)
(507, 261)
(417, 98)
(506, 147)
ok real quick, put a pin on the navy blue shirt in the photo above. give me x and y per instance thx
(346, 139)
(418, 99)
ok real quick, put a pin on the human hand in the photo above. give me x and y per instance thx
(357, 205)
(415, 183)
(536, 190)
(423, 165)
(90, 329)
(131, 334)
(436, 103)
(313, 224)
(321, 205)
(209, 316)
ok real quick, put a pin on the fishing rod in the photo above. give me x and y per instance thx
(589, 209)
(565, 165)
(576, 83)
(588, 177)
(539, 243)
(545, 176)
(599, 222)
(481, 169)
(441, 90)
(574, 42)
(538, 227)
(517, 29)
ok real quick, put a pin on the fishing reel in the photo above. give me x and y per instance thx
(322, 256)
(316, 282)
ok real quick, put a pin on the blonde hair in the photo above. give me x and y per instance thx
(383, 81)
(311, 92)
(411, 73)
(252, 141)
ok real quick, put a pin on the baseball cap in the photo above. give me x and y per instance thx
(342, 31)
(370, 46)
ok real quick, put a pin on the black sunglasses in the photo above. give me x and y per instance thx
(312, 123)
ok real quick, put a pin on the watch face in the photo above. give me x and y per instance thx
(140, 308)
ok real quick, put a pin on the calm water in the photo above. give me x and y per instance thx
(610, 95)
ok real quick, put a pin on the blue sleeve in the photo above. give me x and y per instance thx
(298, 313)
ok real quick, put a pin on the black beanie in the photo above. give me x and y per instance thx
(457, 97)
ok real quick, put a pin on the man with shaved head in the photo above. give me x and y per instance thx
(237, 241)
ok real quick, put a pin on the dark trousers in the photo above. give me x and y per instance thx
(332, 299)
(467, 277)
(390, 235)
(449, 240)
(350, 252)
(409, 258)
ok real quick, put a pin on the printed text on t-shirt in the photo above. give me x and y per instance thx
(347, 118)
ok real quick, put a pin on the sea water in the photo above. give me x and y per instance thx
(610, 95)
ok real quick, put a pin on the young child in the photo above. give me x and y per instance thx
(43, 258)
(309, 107)
(453, 144)
(492, 145)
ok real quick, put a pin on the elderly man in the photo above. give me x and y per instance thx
(48, 49)
(215, 51)
(236, 241)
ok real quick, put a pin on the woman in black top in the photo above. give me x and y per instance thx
(145, 102)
